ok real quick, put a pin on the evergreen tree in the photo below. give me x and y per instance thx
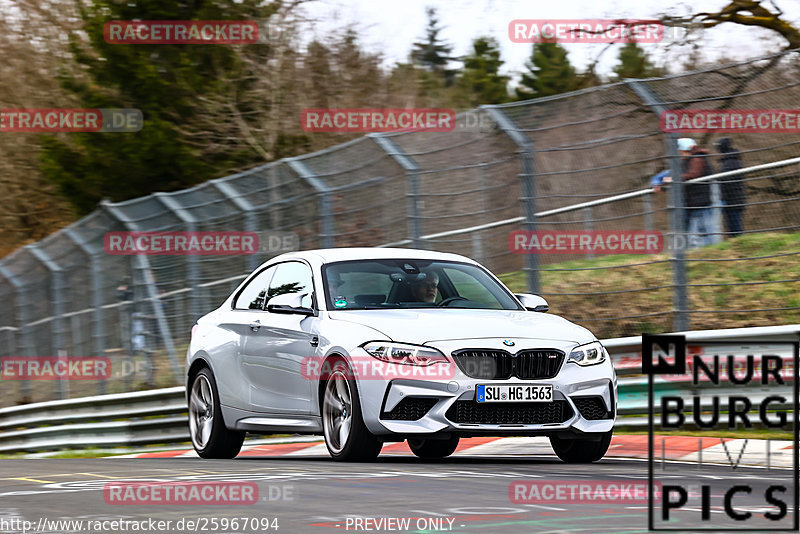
(549, 72)
(319, 74)
(634, 63)
(433, 53)
(480, 78)
(165, 82)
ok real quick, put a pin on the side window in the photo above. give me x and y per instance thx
(253, 296)
(469, 287)
(292, 277)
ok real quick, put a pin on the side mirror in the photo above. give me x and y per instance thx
(289, 303)
(532, 302)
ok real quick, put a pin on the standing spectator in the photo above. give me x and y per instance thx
(697, 197)
(734, 192)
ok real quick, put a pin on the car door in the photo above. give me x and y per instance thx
(274, 351)
(243, 320)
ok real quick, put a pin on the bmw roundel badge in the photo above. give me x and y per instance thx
(508, 343)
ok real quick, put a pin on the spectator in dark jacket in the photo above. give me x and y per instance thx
(734, 191)
(697, 197)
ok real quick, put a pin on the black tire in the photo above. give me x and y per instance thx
(581, 451)
(359, 444)
(205, 417)
(433, 449)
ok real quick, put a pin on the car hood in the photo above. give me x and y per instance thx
(425, 326)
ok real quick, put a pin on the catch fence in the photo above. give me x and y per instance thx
(578, 161)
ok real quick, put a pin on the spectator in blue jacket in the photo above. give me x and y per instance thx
(658, 181)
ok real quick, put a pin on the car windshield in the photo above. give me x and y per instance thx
(391, 284)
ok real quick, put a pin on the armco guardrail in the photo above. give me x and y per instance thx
(626, 351)
(633, 405)
(144, 417)
(159, 416)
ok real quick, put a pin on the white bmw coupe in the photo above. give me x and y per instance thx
(374, 345)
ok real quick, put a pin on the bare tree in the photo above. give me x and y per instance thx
(756, 13)
(280, 76)
(34, 49)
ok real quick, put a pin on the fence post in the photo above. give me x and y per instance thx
(477, 247)
(588, 226)
(680, 301)
(716, 211)
(477, 236)
(412, 184)
(26, 345)
(57, 290)
(648, 212)
(141, 263)
(98, 326)
(273, 179)
(325, 201)
(528, 178)
(193, 271)
(250, 222)
(11, 343)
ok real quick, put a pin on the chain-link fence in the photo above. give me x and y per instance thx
(579, 161)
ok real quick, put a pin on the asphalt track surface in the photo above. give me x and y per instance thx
(312, 494)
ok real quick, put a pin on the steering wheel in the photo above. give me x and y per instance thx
(447, 301)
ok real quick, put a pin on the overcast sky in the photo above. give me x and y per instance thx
(391, 26)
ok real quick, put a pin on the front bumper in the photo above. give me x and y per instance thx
(584, 401)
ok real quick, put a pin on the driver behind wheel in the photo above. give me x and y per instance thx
(425, 290)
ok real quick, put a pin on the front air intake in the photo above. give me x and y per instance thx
(501, 365)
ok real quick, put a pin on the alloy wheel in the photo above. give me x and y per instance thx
(337, 411)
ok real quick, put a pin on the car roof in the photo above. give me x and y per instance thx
(330, 255)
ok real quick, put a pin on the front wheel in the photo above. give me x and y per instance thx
(431, 449)
(581, 451)
(210, 437)
(346, 435)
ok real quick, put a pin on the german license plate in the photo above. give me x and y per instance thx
(514, 393)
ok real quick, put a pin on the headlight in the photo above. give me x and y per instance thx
(589, 354)
(403, 353)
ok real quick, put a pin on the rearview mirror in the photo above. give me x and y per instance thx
(289, 303)
(408, 278)
(532, 302)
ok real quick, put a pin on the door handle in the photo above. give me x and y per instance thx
(255, 325)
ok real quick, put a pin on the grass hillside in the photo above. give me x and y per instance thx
(620, 297)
